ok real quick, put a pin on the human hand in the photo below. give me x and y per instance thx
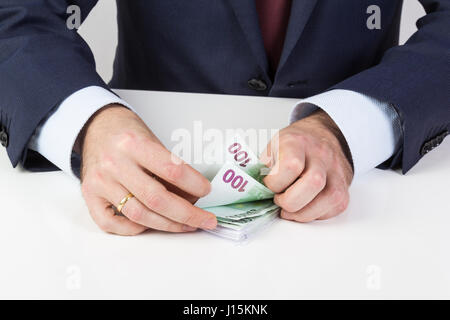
(121, 155)
(311, 172)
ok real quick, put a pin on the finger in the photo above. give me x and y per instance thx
(156, 198)
(288, 166)
(138, 213)
(339, 197)
(305, 189)
(270, 154)
(329, 203)
(104, 216)
(158, 160)
(183, 194)
(267, 156)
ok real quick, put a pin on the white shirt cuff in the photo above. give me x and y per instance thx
(55, 138)
(371, 127)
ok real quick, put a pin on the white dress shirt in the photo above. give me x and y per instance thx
(55, 138)
(371, 127)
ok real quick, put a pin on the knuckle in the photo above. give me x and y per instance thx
(294, 165)
(318, 180)
(301, 139)
(89, 187)
(107, 163)
(156, 201)
(339, 199)
(174, 172)
(291, 138)
(134, 213)
(97, 176)
(190, 220)
(324, 152)
(270, 182)
(126, 140)
(286, 203)
(94, 183)
(95, 179)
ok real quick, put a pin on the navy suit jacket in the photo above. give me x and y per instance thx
(215, 46)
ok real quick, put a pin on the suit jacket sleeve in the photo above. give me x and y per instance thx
(414, 78)
(42, 62)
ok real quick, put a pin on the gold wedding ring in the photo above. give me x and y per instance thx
(124, 201)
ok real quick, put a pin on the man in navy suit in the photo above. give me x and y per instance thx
(367, 102)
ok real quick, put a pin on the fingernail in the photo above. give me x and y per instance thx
(189, 228)
(209, 223)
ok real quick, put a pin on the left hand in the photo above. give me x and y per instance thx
(311, 173)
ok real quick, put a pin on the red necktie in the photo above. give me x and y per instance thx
(273, 20)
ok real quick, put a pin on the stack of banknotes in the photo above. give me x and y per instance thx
(238, 197)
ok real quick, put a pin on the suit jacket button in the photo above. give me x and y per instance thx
(4, 138)
(257, 84)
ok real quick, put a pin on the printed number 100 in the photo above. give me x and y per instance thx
(239, 155)
(237, 182)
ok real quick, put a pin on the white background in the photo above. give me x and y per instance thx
(100, 31)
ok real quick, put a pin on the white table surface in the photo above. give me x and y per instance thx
(392, 241)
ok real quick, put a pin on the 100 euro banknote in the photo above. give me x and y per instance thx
(232, 185)
(238, 196)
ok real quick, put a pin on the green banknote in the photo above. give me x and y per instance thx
(232, 185)
(238, 197)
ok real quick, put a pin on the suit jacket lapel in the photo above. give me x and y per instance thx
(245, 11)
(300, 12)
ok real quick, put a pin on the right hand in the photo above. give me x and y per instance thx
(121, 155)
